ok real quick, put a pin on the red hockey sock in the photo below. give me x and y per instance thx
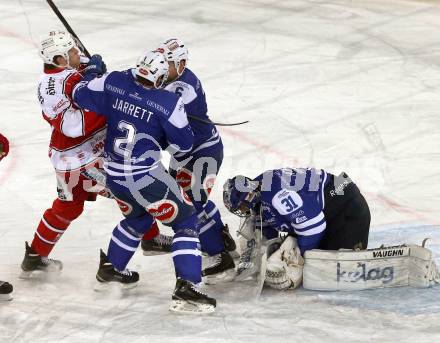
(49, 231)
(152, 232)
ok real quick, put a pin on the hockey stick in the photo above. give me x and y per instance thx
(84, 50)
(215, 123)
(68, 28)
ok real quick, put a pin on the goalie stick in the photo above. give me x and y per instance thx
(85, 51)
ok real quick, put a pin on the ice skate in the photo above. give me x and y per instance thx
(5, 291)
(108, 275)
(161, 244)
(33, 262)
(220, 268)
(188, 299)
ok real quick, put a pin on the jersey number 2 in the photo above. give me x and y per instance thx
(120, 144)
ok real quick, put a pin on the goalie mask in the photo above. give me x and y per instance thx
(56, 43)
(241, 195)
(152, 66)
(174, 51)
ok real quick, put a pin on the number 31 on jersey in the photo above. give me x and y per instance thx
(286, 201)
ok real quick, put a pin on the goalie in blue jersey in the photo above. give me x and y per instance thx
(142, 120)
(317, 209)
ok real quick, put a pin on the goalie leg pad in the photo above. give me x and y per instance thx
(335, 270)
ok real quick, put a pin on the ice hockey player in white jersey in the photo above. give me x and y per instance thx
(76, 145)
(317, 210)
(196, 171)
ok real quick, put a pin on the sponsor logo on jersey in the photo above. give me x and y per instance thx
(40, 97)
(50, 89)
(208, 183)
(339, 190)
(186, 197)
(184, 179)
(98, 147)
(388, 253)
(300, 219)
(163, 210)
(297, 214)
(115, 89)
(135, 95)
(125, 207)
(60, 105)
(363, 274)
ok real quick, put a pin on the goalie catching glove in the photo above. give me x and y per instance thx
(285, 265)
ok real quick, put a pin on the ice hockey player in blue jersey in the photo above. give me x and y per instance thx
(141, 120)
(196, 171)
(317, 209)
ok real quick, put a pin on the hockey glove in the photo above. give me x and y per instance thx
(95, 66)
(285, 266)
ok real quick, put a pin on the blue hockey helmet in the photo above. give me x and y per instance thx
(241, 195)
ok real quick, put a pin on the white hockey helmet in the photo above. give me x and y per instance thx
(56, 43)
(153, 67)
(175, 51)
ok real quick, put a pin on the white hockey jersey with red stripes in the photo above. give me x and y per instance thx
(77, 135)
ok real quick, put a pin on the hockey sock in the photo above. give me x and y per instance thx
(152, 232)
(49, 231)
(123, 245)
(211, 231)
(186, 253)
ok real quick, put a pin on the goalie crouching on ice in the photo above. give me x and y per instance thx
(321, 213)
(316, 209)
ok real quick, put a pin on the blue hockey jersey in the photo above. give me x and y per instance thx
(292, 200)
(139, 121)
(189, 87)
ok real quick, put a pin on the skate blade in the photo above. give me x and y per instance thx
(155, 253)
(112, 286)
(226, 276)
(185, 307)
(234, 254)
(5, 297)
(50, 272)
(246, 274)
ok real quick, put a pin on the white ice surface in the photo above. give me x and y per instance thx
(341, 85)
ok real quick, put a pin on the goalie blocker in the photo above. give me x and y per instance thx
(347, 270)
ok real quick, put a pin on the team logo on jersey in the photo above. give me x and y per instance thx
(164, 210)
(208, 183)
(184, 179)
(125, 208)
